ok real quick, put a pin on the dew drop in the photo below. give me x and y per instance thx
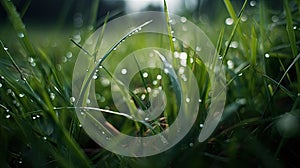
(191, 144)
(298, 94)
(173, 39)
(200, 100)
(80, 125)
(0, 85)
(198, 48)
(147, 119)
(21, 35)
(252, 3)
(201, 125)
(20, 162)
(95, 76)
(234, 44)
(267, 55)
(158, 77)
(220, 57)
(124, 71)
(145, 74)
(275, 19)
(44, 138)
(149, 89)
(52, 96)
(72, 100)
(154, 82)
(21, 95)
(295, 27)
(5, 48)
(30, 60)
(240, 74)
(187, 100)
(33, 117)
(7, 116)
(244, 18)
(230, 64)
(229, 21)
(143, 96)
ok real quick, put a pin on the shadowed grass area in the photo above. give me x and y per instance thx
(259, 48)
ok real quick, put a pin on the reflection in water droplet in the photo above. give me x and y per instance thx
(201, 125)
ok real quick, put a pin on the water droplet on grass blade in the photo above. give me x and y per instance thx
(52, 96)
(72, 100)
(44, 138)
(191, 144)
(0, 85)
(145, 74)
(267, 55)
(21, 35)
(21, 95)
(201, 125)
(7, 116)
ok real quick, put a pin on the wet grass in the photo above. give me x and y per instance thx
(259, 48)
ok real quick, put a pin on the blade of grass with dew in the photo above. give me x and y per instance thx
(18, 25)
(89, 78)
(292, 38)
(169, 27)
(235, 17)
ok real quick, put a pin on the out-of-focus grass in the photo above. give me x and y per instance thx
(260, 126)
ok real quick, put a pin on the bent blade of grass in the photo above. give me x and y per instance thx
(285, 73)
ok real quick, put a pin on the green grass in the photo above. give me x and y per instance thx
(259, 127)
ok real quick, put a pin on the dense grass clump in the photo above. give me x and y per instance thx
(259, 49)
